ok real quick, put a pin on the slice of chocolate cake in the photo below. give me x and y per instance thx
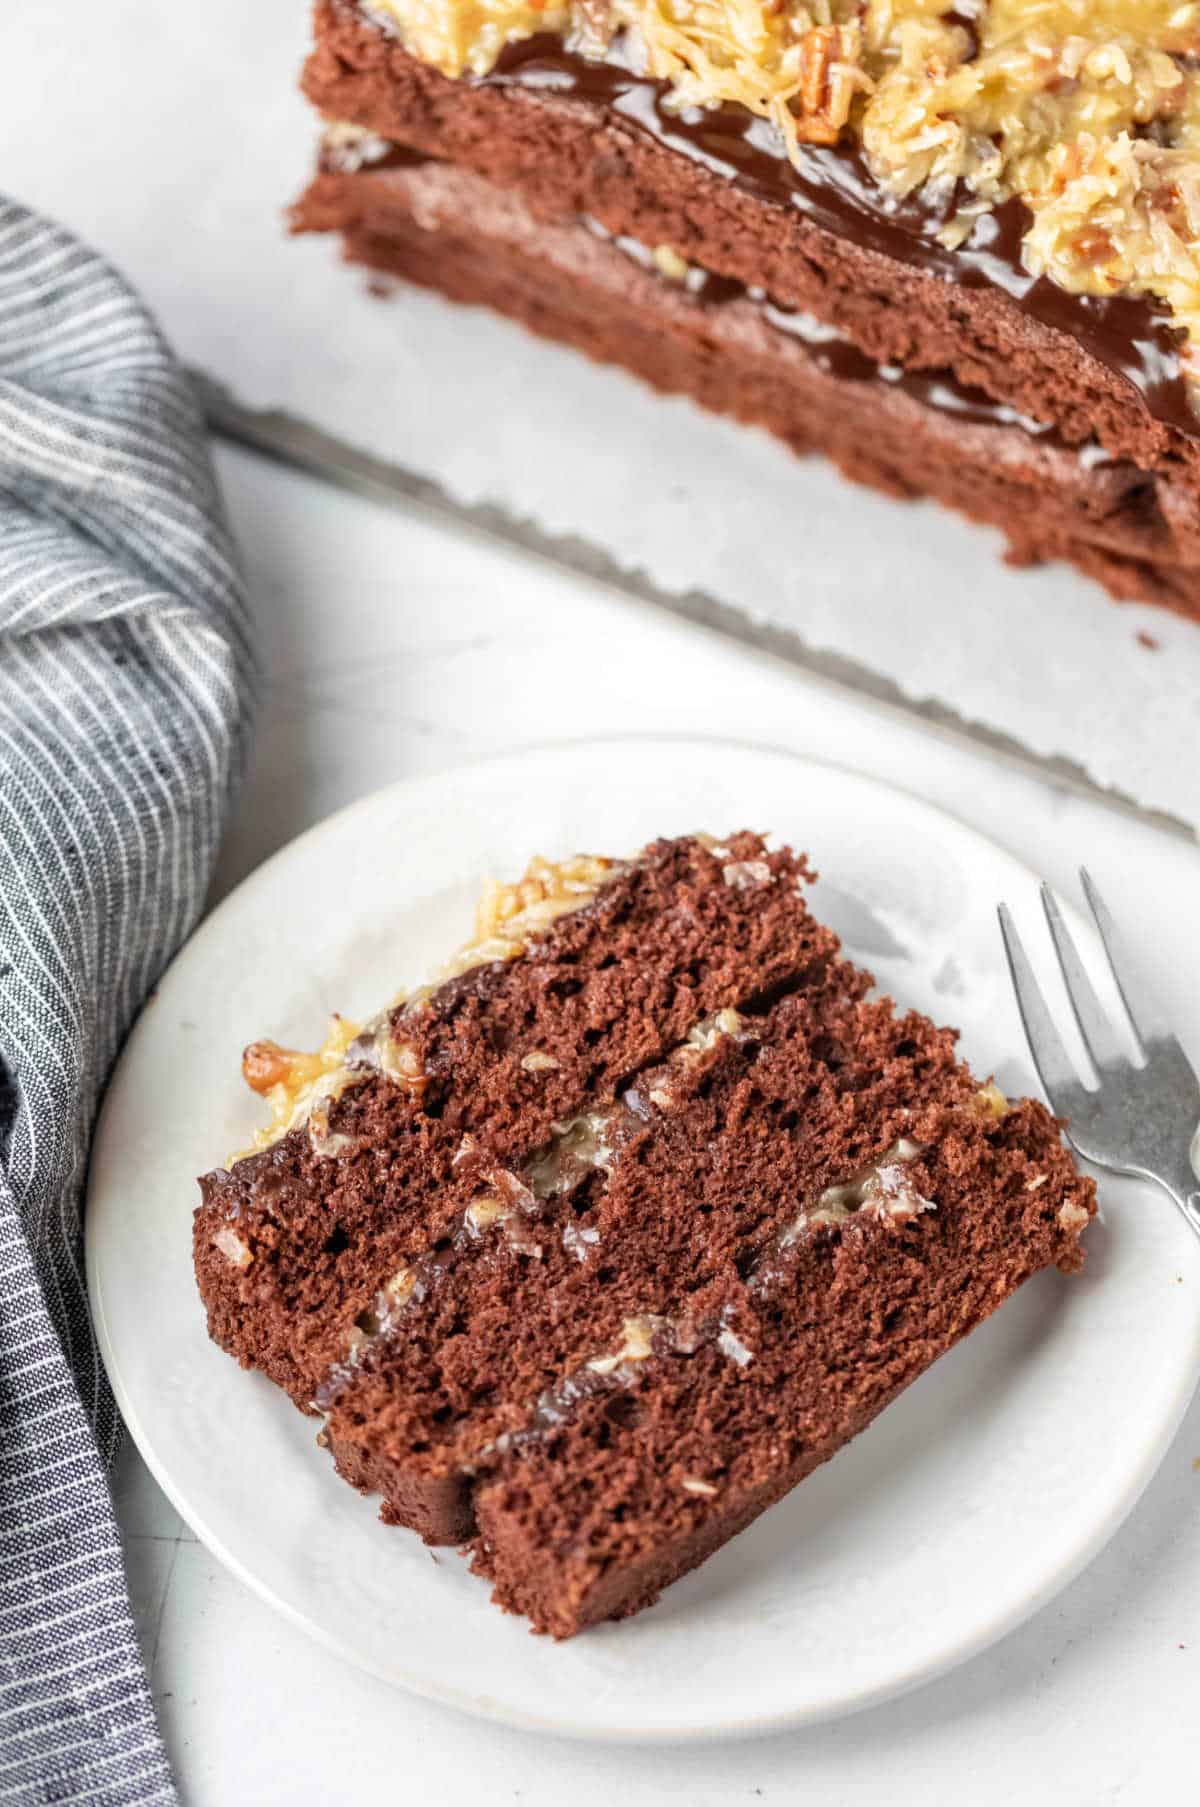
(970, 232)
(604, 1243)
(580, 974)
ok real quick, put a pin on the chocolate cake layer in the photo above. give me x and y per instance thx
(297, 1242)
(593, 1517)
(908, 432)
(585, 138)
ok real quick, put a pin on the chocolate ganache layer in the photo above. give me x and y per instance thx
(832, 187)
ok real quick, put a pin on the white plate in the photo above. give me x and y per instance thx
(975, 1496)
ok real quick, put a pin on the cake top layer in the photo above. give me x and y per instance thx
(1086, 111)
(300, 1087)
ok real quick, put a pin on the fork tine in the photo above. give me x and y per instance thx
(1058, 1076)
(1149, 1024)
(1094, 1025)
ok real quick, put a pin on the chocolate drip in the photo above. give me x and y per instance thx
(836, 356)
(835, 191)
(939, 389)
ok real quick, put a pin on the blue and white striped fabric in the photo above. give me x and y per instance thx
(126, 675)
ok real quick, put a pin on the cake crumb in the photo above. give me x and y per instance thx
(743, 875)
(735, 1349)
(233, 1248)
(1072, 1216)
(484, 1211)
(637, 1346)
(1148, 641)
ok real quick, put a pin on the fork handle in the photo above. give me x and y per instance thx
(1185, 1191)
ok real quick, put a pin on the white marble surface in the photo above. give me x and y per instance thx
(395, 649)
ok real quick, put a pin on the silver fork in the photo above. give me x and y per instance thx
(1136, 1119)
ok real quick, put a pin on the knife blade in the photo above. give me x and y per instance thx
(303, 446)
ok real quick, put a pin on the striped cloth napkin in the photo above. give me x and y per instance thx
(126, 677)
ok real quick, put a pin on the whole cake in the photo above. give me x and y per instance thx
(591, 1250)
(952, 244)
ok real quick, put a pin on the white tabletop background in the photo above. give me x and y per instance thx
(396, 648)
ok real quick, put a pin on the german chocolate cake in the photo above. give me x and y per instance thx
(954, 247)
(589, 1251)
